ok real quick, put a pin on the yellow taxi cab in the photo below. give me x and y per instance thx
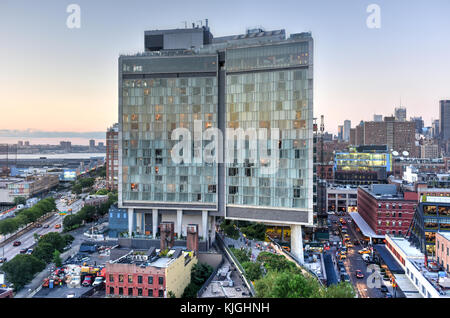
(364, 251)
(342, 256)
(349, 245)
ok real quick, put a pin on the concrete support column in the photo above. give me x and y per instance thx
(130, 221)
(213, 229)
(205, 225)
(138, 223)
(297, 242)
(154, 222)
(179, 223)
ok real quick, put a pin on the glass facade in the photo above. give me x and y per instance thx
(270, 99)
(151, 110)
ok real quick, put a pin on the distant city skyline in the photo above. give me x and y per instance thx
(65, 80)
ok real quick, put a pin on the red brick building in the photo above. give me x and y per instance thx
(325, 172)
(149, 274)
(385, 210)
(112, 157)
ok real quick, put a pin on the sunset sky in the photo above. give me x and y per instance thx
(58, 79)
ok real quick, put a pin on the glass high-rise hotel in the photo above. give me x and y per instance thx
(260, 79)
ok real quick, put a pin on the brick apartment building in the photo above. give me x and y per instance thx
(385, 210)
(443, 250)
(149, 274)
(112, 157)
(397, 135)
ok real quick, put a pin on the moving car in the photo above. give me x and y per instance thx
(57, 226)
(342, 256)
(17, 243)
(359, 274)
(364, 251)
(46, 226)
(349, 244)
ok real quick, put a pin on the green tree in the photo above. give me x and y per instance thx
(102, 192)
(252, 270)
(20, 200)
(77, 189)
(44, 251)
(241, 255)
(55, 239)
(57, 258)
(342, 290)
(287, 284)
(21, 269)
(273, 262)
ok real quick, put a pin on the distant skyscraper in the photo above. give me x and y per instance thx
(419, 124)
(91, 144)
(20, 143)
(112, 157)
(340, 132)
(400, 113)
(377, 118)
(444, 119)
(347, 126)
(435, 127)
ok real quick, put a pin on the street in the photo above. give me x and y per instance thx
(355, 262)
(27, 239)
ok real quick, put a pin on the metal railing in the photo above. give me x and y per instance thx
(221, 244)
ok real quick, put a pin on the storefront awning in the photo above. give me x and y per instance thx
(366, 230)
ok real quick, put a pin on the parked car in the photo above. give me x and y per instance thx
(3, 260)
(17, 243)
(75, 281)
(384, 289)
(23, 250)
(87, 281)
(98, 281)
(29, 251)
(46, 226)
(345, 277)
(359, 274)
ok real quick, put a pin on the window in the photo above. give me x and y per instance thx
(160, 293)
(120, 278)
(139, 279)
(111, 290)
(130, 278)
(120, 290)
(139, 291)
(111, 278)
(150, 280)
(130, 291)
(161, 280)
(150, 292)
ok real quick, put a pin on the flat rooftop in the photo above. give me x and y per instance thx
(151, 257)
(446, 235)
(405, 246)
